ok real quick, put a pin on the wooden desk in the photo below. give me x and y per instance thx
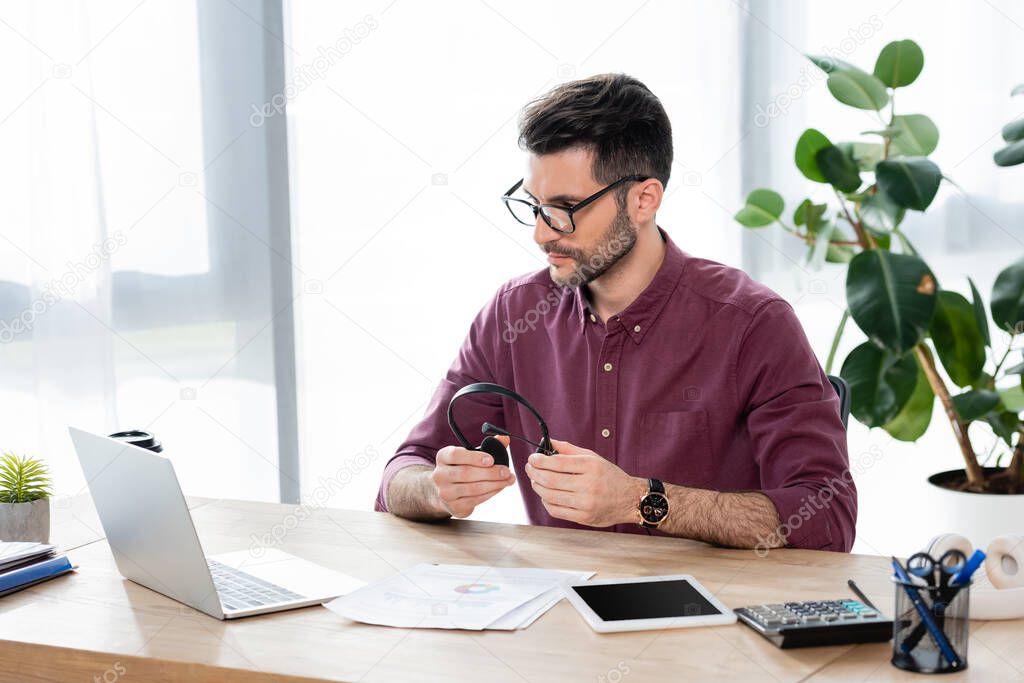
(94, 625)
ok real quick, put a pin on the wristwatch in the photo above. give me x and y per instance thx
(653, 507)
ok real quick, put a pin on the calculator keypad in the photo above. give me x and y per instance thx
(811, 613)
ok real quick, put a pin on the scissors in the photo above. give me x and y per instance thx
(937, 572)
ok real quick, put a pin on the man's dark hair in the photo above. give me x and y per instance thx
(614, 115)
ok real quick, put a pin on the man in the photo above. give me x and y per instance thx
(684, 395)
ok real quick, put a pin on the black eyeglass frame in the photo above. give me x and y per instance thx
(569, 210)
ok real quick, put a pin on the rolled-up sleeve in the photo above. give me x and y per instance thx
(792, 414)
(477, 361)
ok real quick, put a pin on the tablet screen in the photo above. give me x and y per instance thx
(645, 600)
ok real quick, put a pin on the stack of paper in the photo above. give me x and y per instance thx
(458, 596)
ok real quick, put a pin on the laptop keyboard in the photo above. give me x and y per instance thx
(238, 590)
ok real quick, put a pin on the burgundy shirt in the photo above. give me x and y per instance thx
(705, 380)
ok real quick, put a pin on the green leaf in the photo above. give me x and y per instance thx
(763, 208)
(975, 403)
(918, 136)
(865, 155)
(1011, 155)
(1014, 130)
(1004, 423)
(911, 182)
(983, 381)
(879, 213)
(830, 64)
(23, 479)
(884, 132)
(1008, 297)
(839, 170)
(891, 298)
(807, 147)
(912, 421)
(1017, 90)
(880, 383)
(899, 63)
(1013, 398)
(958, 340)
(858, 89)
(979, 313)
(839, 253)
(883, 240)
(809, 214)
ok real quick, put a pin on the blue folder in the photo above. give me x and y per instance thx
(23, 577)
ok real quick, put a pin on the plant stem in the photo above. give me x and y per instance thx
(807, 238)
(892, 117)
(1009, 347)
(1013, 469)
(835, 341)
(862, 235)
(792, 231)
(904, 241)
(975, 475)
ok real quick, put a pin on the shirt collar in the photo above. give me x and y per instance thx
(641, 315)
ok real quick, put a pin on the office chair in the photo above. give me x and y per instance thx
(843, 390)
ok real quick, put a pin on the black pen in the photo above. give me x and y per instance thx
(859, 594)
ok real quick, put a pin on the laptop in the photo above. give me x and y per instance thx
(154, 542)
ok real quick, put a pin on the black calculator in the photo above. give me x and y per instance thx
(817, 622)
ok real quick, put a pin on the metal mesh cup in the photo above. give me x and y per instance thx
(915, 647)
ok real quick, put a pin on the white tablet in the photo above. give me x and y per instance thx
(647, 603)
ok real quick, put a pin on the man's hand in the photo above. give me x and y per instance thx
(463, 478)
(579, 485)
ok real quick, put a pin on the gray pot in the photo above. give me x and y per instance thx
(25, 521)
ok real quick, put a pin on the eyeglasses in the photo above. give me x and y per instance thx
(558, 218)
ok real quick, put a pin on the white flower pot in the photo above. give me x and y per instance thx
(980, 517)
(25, 521)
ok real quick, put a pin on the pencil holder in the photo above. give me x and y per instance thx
(930, 627)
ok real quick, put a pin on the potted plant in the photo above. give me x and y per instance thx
(24, 499)
(923, 341)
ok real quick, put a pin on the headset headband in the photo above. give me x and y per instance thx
(488, 388)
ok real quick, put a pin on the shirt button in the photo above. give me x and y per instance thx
(607, 367)
(636, 328)
(593, 318)
(605, 433)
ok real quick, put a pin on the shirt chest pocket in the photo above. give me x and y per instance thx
(675, 446)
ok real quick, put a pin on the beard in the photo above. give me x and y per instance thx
(617, 241)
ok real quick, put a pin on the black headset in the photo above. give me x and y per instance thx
(491, 444)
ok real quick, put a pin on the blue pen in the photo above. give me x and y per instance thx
(964, 575)
(926, 616)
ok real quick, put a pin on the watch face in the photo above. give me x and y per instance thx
(654, 508)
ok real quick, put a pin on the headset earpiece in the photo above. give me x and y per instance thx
(496, 448)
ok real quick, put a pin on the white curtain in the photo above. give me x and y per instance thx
(116, 308)
(70, 312)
